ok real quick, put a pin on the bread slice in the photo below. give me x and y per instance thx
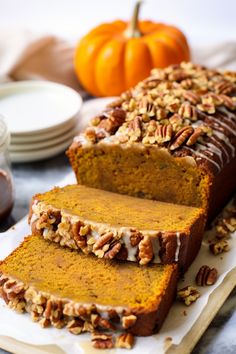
(116, 226)
(170, 138)
(62, 287)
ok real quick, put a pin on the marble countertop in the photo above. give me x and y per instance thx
(37, 177)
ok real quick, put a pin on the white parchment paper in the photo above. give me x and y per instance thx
(177, 325)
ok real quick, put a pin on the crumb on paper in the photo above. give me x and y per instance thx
(185, 313)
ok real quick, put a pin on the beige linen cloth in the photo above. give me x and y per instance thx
(25, 55)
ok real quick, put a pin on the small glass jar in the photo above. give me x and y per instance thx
(6, 182)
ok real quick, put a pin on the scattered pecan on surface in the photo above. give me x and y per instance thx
(188, 295)
(206, 276)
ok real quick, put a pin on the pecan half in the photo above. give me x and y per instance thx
(194, 137)
(188, 295)
(104, 239)
(219, 247)
(191, 96)
(163, 133)
(102, 340)
(115, 249)
(135, 129)
(186, 110)
(180, 137)
(125, 340)
(206, 276)
(145, 250)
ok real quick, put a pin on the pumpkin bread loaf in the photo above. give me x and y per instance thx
(61, 287)
(170, 138)
(112, 225)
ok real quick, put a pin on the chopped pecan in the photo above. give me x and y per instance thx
(163, 133)
(75, 326)
(145, 250)
(206, 276)
(219, 247)
(188, 295)
(135, 238)
(102, 340)
(176, 121)
(125, 340)
(128, 321)
(103, 323)
(180, 137)
(207, 107)
(90, 134)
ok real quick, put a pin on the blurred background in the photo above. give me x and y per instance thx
(203, 21)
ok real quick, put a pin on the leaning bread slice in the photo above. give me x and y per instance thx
(62, 287)
(111, 225)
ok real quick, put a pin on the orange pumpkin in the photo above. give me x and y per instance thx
(115, 56)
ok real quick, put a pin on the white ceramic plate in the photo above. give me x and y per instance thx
(47, 143)
(31, 107)
(32, 138)
(40, 154)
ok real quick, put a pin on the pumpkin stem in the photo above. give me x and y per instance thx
(132, 30)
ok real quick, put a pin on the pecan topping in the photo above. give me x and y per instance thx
(219, 247)
(145, 250)
(113, 251)
(125, 340)
(90, 133)
(135, 238)
(194, 137)
(135, 129)
(229, 102)
(206, 276)
(102, 241)
(128, 321)
(186, 110)
(207, 107)
(102, 340)
(163, 133)
(146, 107)
(224, 87)
(191, 96)
(180, 137)
(188, 295)
(75, 326)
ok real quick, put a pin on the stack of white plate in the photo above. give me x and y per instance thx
(42, 118)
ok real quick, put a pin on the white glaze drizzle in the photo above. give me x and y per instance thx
(203, 156)
(226, 126)
(226, 140)
(227, 113)
(177, 246)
